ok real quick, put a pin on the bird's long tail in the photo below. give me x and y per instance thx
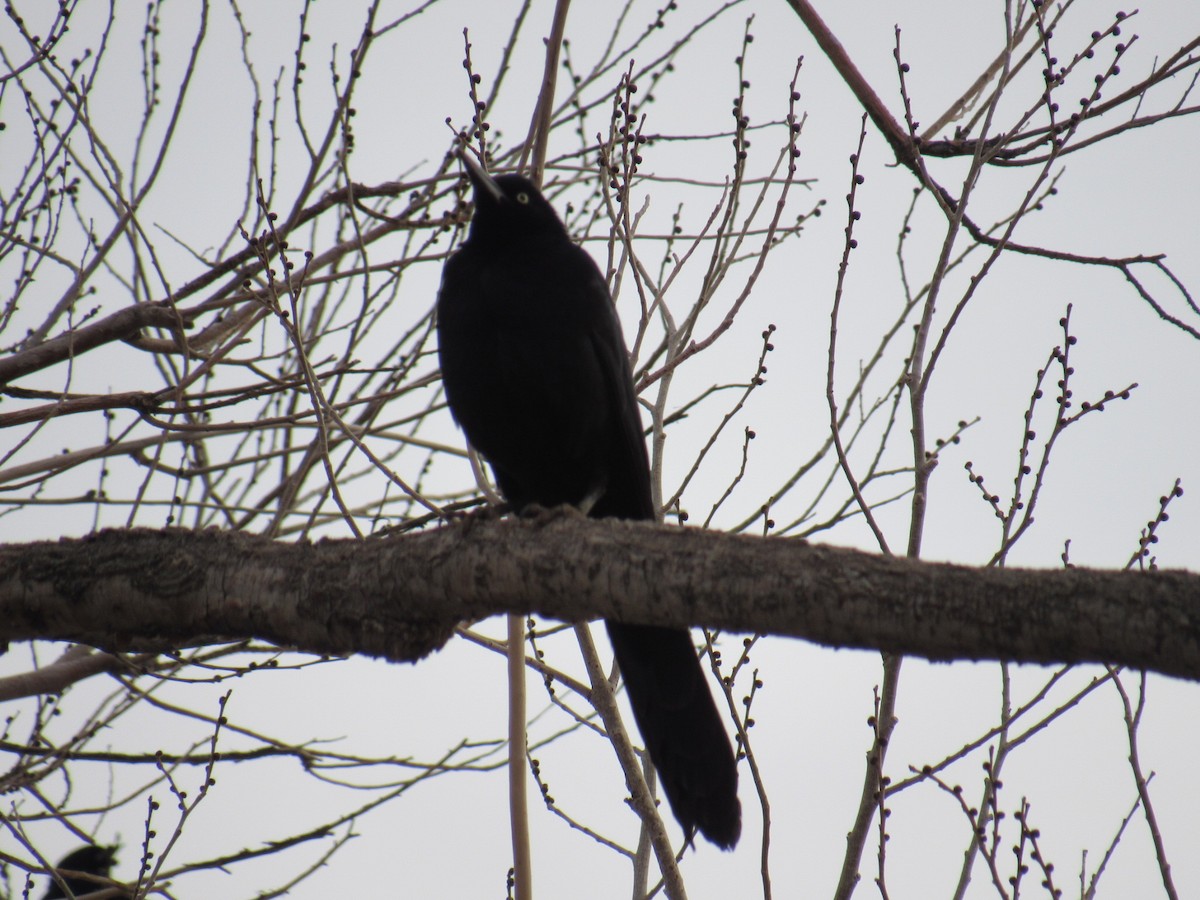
(681, 728)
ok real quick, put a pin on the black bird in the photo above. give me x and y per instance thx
(92, 859)
(537, 374)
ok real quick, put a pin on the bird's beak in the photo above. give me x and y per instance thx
(480, 179)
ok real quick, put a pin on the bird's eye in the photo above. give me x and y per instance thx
(523, 198)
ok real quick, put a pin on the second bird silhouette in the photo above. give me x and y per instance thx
(537, 374)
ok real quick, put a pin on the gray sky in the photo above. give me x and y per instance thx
(1131, 195)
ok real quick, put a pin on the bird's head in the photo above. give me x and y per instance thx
(92, 858)
(508, 205)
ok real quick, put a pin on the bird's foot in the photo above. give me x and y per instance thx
(469, 518)
(544, 515)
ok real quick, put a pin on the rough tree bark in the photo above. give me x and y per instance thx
(401, 597)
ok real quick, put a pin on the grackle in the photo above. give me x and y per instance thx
(537, 375)
(92, 859)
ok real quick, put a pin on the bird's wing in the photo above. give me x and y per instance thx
(627, 493)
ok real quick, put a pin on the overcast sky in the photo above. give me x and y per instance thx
(1135, 194)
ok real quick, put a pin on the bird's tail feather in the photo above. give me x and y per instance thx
(681, 728)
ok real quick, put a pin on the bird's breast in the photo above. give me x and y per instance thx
(521, 372)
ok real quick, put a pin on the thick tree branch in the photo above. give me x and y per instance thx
(901, 143)
(400, 597)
